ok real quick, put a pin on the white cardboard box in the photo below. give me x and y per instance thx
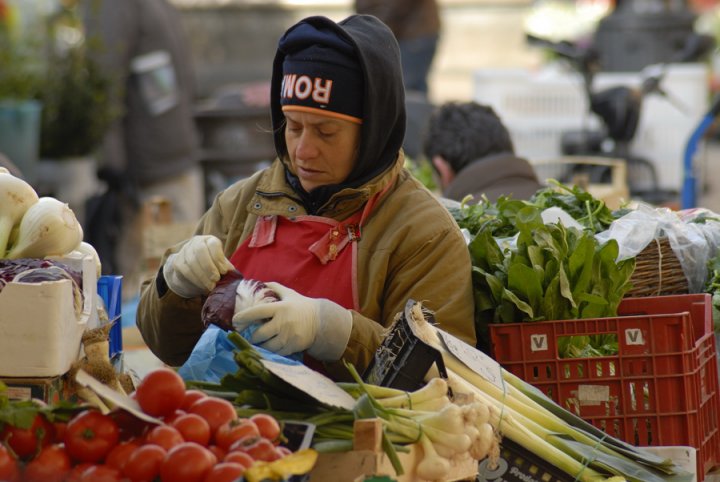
(39, 331)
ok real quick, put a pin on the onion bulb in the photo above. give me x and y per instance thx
(48, 228)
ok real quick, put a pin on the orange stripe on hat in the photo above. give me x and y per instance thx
(325, 112)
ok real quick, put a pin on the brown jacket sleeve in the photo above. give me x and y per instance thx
(170, 324)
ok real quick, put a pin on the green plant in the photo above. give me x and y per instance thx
(20, 62)
(76, 108)
(423, 171)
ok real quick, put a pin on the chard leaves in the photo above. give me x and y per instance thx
(552, 273)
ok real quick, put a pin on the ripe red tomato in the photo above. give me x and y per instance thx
(76, 472)
(261, 449)
(232, 431)
(193, 428)
(144, 464)
(216, 411)
(191, 396)
(101, 473)
(169, 419)
(225, 472)
(59, 431)
(26, 442)
(239, 457)
(217, 452)
(165, 436)
(268, 426)
(130, 426)
(119, 455)
(188, 462)
(161, 392)
(9, 469)
(52, 464)
(90, 436)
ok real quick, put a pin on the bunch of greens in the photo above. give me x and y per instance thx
(425, 416)
(592, 213)
(497, 218)
(553, 273)
(713, 287)
(500, 217)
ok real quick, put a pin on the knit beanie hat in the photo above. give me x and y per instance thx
(321, 74)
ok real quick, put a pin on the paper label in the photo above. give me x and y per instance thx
(593, 394)
(315, 384)
(476, 360)
(539, 342)
(634, 336)
(19, 393)
(115, 398)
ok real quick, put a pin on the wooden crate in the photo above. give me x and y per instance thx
(368, 459)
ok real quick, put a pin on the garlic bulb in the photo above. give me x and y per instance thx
(48, 228)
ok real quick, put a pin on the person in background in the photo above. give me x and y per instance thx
(472, 153)
(152, 148)
(336, 226)
(416, 26)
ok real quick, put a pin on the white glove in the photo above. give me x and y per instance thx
(197, 267)
(297, 323)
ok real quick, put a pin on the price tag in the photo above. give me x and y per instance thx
(476, 360)
(315, 384)
(593, 394)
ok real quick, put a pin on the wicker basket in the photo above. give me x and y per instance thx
(657, 271)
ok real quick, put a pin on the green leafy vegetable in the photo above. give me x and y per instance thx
(553, 273)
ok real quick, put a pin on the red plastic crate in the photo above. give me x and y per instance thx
(660, 389)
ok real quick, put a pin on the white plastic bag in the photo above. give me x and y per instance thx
(692, 243)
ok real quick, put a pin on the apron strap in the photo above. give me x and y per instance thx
(339, 236)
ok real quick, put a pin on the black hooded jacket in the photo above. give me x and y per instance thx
(383, 128)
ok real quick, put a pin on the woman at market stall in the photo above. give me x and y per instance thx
(339, 227)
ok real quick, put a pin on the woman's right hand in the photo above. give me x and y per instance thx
(197, 267)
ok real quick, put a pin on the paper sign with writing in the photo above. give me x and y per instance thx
(315, 384)
(593, 394)
(476, 360)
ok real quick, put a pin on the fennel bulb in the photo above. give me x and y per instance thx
(16, 196)
(48, 228)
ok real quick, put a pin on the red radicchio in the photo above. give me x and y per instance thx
(233, 292)
(37, 270)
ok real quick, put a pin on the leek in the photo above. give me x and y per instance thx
(524, 417)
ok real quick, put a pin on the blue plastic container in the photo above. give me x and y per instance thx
(109, 287)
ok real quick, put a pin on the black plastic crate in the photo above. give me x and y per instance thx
(298, 435)
(403, 359)
(516, 464)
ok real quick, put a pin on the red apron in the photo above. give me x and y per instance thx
(314, 255)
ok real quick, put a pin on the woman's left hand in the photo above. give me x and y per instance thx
(297, 323)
